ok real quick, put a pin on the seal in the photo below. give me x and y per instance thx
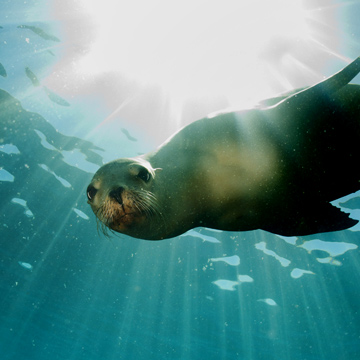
(274, 167)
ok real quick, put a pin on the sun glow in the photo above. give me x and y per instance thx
(193, 48)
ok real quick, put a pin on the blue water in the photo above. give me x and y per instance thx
(67, 292)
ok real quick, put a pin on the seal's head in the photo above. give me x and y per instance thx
(120, 194)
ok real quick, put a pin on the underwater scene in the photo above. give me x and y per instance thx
(85, 82)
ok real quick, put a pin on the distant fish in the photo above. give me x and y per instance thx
(6, 176)
(9, 149)
(63, 182)
(226, 284)
(245, 279)
(270, 302)
(2, 70)
(231, 260)
(128, 135)
(33, 78)
(81, 214)
(297, 273)
(39, 32)
(201, 236)
(56, 98)
(23, 203)
(25, 265)
(332, 248)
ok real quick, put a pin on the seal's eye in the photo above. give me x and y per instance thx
(91, 192)
(144, 175)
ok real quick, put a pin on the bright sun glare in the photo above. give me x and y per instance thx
(192, 47)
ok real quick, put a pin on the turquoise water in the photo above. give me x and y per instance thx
(67, 292)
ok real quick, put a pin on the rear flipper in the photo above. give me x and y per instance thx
(322, 89)
(312, 219)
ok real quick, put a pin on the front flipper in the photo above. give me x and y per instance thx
(311, 219)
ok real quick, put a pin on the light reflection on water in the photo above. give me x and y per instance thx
(69, 293)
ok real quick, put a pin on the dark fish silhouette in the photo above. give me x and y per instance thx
(33, 78)
(2, 71)
(39, 32)
(128, 135)
(55, 98)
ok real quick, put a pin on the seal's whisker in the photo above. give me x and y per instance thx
(104, 217)
(147, 203)
(154, 208)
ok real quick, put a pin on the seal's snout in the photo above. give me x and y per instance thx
(116, 194)
(91, 192)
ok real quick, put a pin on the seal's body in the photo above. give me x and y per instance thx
(274, 167)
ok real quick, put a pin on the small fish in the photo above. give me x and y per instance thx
(201, 236)
(81, 214)
(55, 98)
(226, 284)
(39, 32)
(33, 78)
(2, 71)
(245, 279)
(270, 302)
(128, 135)
(231, 260)
(25, 265)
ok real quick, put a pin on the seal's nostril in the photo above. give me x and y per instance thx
(91, 192)
(116, 194)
